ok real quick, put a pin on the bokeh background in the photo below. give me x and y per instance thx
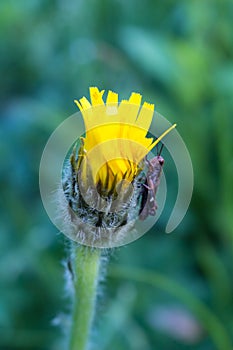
(163, 291)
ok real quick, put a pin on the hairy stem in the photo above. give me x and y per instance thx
(86, 273)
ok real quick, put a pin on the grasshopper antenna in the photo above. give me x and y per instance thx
(160, 151)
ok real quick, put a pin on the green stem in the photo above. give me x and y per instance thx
(86, 272)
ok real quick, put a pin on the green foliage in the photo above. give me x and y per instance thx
(178, 54)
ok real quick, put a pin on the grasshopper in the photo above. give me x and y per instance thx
(150, 186)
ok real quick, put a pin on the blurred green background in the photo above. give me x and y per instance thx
(174, 291)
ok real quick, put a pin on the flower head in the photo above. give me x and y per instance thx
(115, 143)
(105, 182)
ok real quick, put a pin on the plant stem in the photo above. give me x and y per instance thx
(86, 272)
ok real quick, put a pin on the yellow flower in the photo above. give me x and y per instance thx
(115, 142)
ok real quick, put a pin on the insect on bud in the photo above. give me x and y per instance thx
(150, 187)
(108, 182)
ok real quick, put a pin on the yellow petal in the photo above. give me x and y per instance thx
(78, 104)
(112, 98)
(161, 137)
(84, 103)
(135, 98)
(96, 96)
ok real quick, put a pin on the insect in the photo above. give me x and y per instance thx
(150, 186)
